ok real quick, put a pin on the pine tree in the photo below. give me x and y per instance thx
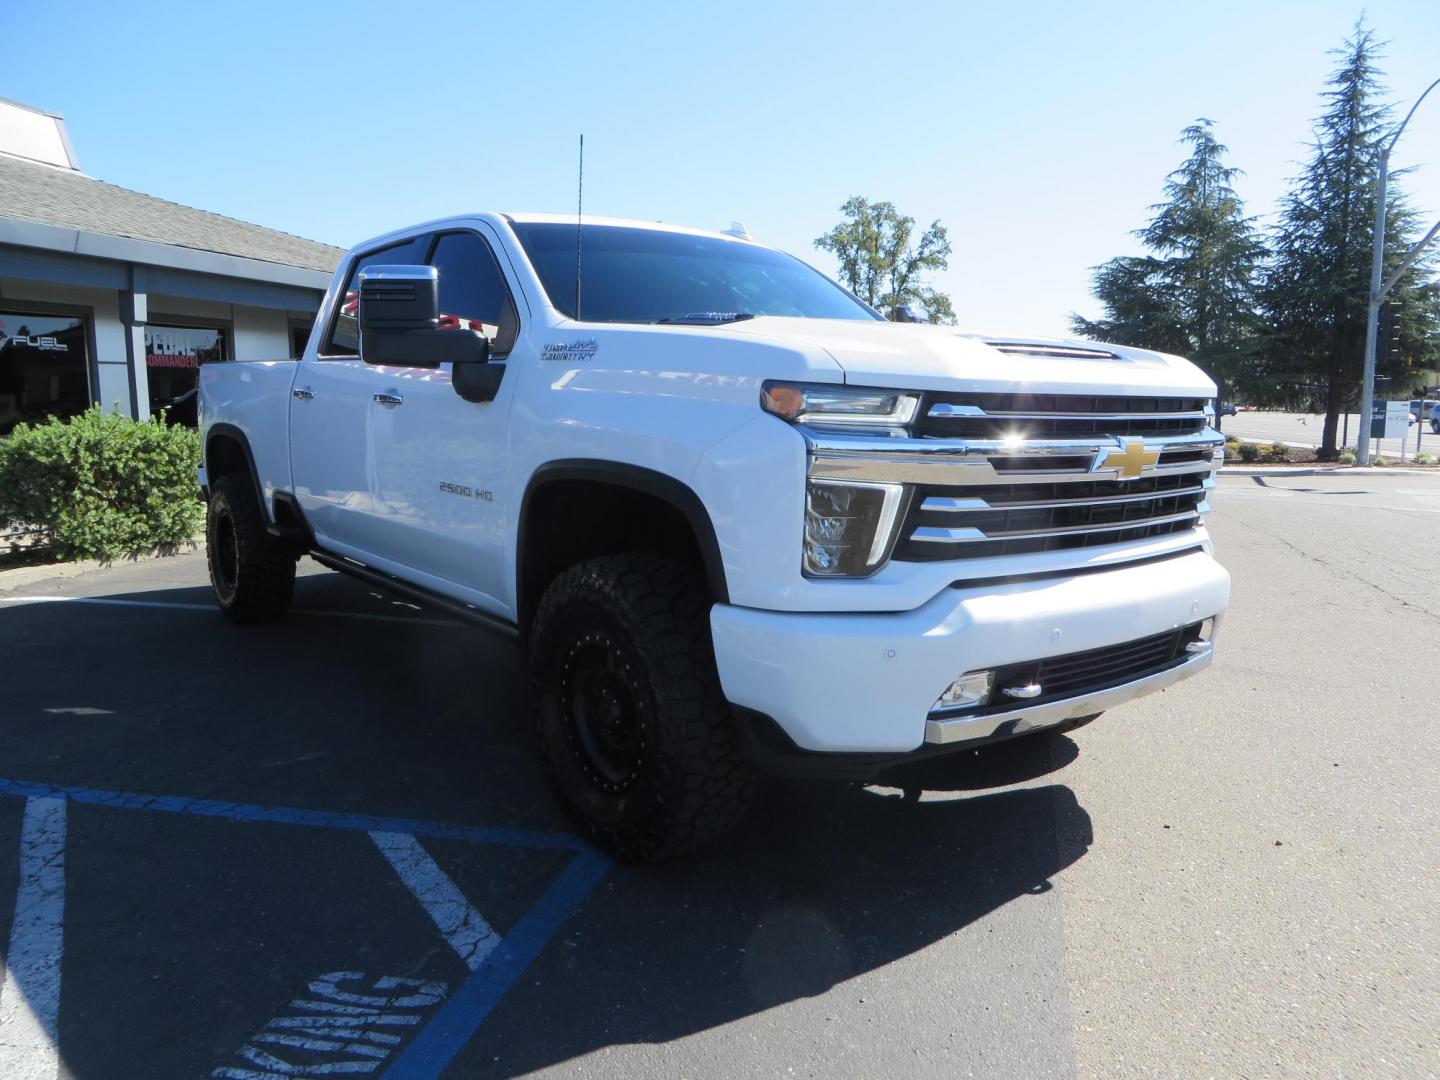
(1195, 294)
(1318, 284)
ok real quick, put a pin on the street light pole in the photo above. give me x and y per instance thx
(1376, 292)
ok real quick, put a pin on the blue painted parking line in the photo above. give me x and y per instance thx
(290, 815)
(455, 1022)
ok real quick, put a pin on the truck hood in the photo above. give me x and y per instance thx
(922, 357)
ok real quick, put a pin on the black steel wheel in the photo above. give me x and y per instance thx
(605, 713)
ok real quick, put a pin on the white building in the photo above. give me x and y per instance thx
(109, 295)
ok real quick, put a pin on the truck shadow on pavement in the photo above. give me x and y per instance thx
(359, 704)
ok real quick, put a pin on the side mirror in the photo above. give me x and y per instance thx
(400, 326)
(908, 313)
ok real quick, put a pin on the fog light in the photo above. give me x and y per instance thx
(967, 692)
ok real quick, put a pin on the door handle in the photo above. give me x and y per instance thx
(389, 399)
(304, 393)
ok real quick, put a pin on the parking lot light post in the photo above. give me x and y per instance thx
(1377, 291)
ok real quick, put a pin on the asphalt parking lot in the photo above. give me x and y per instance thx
(324, 848)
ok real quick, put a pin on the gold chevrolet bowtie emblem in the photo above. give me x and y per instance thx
(1132, 460)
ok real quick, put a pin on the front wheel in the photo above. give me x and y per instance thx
(252, 573)
(637, 740)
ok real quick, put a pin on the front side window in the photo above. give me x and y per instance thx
(473, 293)
(344, 339)
(44, 367)
(649, 275)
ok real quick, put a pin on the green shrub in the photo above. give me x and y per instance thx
(1277, 451)
(1232, 449)
(101, 485)
(1249, 452)
(1424, 459)
(1347, 457)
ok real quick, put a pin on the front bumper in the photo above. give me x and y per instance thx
(865, 683)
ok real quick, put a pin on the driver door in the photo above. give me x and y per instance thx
(440, 483)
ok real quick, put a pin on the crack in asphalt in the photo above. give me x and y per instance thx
(1341, 571)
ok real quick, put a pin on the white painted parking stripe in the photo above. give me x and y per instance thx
(469, 934)
(105, 601)
(30, 995)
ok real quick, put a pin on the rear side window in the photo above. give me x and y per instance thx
(473, 293)
(344, 339)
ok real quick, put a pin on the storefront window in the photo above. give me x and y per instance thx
(173, 355)
(44, 367)
(299, 338)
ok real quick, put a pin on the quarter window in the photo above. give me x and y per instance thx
(344, 337)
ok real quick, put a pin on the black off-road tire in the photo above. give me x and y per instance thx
(636, 737)
(252, 573)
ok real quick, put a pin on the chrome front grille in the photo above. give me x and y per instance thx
(1060, 474)
(1016, 519)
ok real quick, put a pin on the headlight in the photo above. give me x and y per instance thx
(848, 527)
(841, 406)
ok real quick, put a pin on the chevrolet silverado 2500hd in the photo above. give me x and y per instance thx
(739, 522)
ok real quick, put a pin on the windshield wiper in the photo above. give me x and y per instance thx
(707, 318)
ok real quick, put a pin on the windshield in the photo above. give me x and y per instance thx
(648, 275)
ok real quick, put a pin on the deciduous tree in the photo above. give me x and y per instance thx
(883, 263)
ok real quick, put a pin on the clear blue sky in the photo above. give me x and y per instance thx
(1039, 133)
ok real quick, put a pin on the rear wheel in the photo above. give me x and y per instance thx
(637, 740)
(252, 573)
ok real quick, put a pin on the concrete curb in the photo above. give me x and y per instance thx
(21, 576)
(1325, 470)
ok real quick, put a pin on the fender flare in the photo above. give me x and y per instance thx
(286, 521)
(231, 433)
(636, 478)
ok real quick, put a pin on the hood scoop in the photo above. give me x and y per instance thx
(1059, 352)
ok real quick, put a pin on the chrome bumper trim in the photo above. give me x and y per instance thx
(960, 728)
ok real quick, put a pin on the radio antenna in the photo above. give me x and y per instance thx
(579, 210)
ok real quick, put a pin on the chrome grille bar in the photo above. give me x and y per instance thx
(963, 462)
(931, 535)
(946, 505)
(946, 411)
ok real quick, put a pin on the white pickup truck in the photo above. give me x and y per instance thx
(740, 523)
